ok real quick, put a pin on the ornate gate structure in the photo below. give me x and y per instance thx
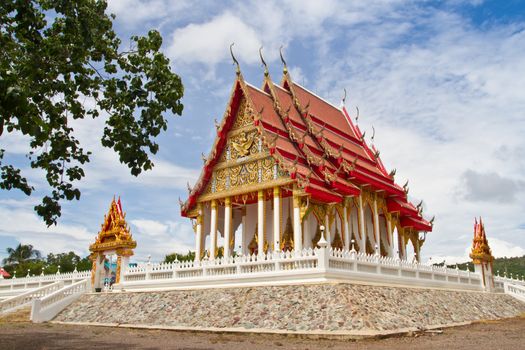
(114, 238)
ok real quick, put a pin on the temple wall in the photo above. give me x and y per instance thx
(342, 308)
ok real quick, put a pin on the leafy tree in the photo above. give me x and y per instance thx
(508, 266)
(21, 254)
(21, 259)
(58, 53)
(66, 261)
(180, 257)
(18, 262)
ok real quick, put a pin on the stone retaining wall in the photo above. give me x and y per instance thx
(298, 308)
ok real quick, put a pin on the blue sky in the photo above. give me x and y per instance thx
(442, 82)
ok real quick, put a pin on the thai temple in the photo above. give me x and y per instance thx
(286, 168)
(291, 199)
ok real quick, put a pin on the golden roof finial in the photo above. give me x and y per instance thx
(344, 96)
(285, 68)
(238, 67)
(266, 73)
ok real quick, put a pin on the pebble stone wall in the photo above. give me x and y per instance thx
(297, 308)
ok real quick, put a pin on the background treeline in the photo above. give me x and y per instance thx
(25, 258)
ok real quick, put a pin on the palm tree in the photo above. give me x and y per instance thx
(22, 253)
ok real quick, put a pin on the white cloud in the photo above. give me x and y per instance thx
(132, 13)
(501, 248)
(150, 227)
(160, 238)
(208, 42)
(26, 227)
(443, 103)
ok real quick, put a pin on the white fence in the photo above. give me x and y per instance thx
(18, 301)
(16, 286)
(317, 265)
(517, 291)
(47, 307)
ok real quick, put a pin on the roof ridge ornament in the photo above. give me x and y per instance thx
(266, 73)
(357, 115)
(238, 67)
(285, 67)
(344, 97)
(363, 137)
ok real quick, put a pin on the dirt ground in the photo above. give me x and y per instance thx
(504, 334)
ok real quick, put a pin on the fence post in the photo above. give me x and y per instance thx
(35, 310)
(322, 255)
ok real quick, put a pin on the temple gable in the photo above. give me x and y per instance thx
(244, 162)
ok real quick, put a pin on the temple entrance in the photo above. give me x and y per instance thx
(111, 251)
(110, 271)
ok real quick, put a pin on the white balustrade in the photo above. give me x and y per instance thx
(47, 307)
(307, 265)
(20, 300)
(515, 290)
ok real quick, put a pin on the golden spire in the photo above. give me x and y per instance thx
(481, 251)
(115, 232)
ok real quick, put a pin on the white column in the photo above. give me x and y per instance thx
(124, 264)
(297, 229)
(362, 232)
(227, 226)
(244, 243)
(276, 218)
(346, 229)
(377, 233)
(306, 234)
(260, 222)
(417, 248)
(213, 232)
(402, 248)
(99, 267)
(198, 238)
(327, 227)
(390, 234)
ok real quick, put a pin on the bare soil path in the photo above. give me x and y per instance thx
(490, 335)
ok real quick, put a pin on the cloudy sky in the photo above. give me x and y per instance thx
(442, 82)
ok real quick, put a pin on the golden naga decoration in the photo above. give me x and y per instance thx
(287, 239)
(114, 233)
(243, 145)
(304, 206)
(337, 242)
(481, 252)
(253, 247)
(317, 237)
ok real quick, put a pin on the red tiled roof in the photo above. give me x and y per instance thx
(316, 143)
